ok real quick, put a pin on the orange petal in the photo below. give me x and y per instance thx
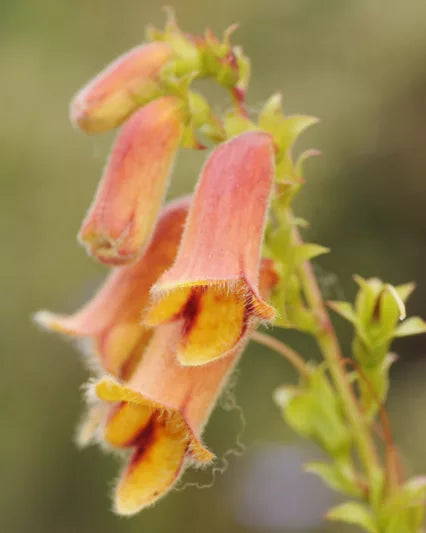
(121, 219)
(112, 317)
(129, 82)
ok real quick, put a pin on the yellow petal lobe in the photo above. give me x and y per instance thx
(126, 423)
(212, 327)
(154, 467)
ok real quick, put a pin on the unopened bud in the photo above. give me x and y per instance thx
(129, 82)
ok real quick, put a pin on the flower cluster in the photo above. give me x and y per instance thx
(188, 283)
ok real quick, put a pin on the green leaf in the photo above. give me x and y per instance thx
(353, 513)
(411, 326)
(314, 411)
(304, 156)
(291, 127)
(344, 309)
(305, 252)
(366, 298)
(398, 300)
(333, 477)
(405, 290)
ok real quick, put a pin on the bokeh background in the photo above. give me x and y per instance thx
(358, 65)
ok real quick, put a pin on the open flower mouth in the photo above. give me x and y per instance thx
(159, 438)
(214, 316)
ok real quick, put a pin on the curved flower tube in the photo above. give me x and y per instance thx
(126, 84)
(212, 288)
(120, 221)
(112, 318)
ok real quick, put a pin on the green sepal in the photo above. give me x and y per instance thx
(284, 129)
(187, 56)
(235, 123)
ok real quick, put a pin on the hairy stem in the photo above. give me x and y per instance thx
(330, 349)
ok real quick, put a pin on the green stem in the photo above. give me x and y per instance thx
(332, 354)
(291, 355)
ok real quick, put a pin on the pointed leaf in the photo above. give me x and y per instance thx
(353, 513)
(292, 127)
(411, 326)
(344, 309)
(332, 477)
(405, 290)
(308, 251)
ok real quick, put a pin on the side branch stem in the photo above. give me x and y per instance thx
(291, 355)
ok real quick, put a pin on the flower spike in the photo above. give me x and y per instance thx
(129, 82)
(122, 216)
(212, 288)
(112, 318)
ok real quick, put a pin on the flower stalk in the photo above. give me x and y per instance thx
(331, 351)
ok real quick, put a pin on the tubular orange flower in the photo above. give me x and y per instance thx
(112, 317)
(127, 83)
(160, 412)
(212, 288)
(122, 216)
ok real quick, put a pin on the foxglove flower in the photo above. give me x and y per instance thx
(112, 319)
(147, 403)
(129, 82)
(123, 214)
(159, 413)
(212, 288)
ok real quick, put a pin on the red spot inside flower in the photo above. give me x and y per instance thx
(191, 310)
(142, 442)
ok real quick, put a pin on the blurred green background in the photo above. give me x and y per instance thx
(360, 66)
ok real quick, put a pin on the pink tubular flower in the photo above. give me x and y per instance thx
(112, 318)
(129, 82)
(159, 413)
(122, 216)
(212, 288)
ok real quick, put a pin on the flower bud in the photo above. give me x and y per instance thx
(120, 221)
(126, 84)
